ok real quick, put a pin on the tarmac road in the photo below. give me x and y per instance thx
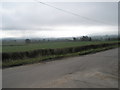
(98, 70)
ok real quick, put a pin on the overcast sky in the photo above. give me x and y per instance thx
(33, 19)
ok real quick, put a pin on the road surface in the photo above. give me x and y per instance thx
(98, 70)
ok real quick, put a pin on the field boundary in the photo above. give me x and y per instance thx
(44, 52)
(75, 52)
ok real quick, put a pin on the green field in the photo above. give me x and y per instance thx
(15, 54)
(12, 63)
(48, 45)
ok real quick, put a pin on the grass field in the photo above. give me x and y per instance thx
(15, 55)
(48, 45)
(19, 62)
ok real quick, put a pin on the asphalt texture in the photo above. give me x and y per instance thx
(99, 70)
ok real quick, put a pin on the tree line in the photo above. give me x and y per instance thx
(83, 38)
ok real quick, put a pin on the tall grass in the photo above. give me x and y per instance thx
(32, 56)
(19, 62)
(46, 52)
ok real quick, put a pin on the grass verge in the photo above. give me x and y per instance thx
(19, 62)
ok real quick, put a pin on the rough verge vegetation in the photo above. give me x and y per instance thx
(27, 57)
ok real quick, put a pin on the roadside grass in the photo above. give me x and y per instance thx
(18, 62)
(8, 56)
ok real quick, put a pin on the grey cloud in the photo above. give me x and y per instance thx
(27, 16)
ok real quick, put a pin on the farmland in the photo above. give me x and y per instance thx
(19, 54)
(21, 47)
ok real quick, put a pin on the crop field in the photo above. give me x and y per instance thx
(21, 47)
